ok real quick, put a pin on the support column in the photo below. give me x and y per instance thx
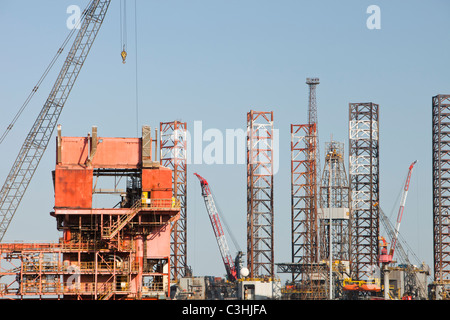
(441, 188)
(364, 186)
(260, 241)
(173, 148)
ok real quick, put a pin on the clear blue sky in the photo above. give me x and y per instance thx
(213, 61)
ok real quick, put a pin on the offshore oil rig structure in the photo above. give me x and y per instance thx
(343, 245)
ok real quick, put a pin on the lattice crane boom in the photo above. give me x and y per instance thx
(393, 233)
(218, 230)
(401, 209)
(38, 138)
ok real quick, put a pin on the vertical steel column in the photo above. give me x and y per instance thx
(364, 186)
(441, 187)
(260, 248)
(173, 148)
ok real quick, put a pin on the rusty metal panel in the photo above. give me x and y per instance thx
(110, 152)
(74, 150)
(73, 188)
(158, 243)
(158, 181)
(118, 153)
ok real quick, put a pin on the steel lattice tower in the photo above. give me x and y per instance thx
(312, 119)
(173, 148)
(260, 241)
(334, 200)
(441, 187)
(312, 105)
(304, 191)
(364, 186)
(303, 202)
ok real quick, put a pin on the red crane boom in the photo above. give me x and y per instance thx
(402, 207)
(385, 257)
(218, 230)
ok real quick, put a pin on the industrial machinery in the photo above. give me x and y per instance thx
(413, 276)
(115, 208)
(231, 267)
(408, 279)
(40, 133)
(386, 257)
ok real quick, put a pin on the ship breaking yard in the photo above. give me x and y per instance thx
(342, 245)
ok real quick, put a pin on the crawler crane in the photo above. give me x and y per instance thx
(230, 266)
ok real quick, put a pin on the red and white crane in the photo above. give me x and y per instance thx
(385, 257)
(218, 230)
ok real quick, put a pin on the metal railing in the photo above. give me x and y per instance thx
(160, 204)
(84, 267)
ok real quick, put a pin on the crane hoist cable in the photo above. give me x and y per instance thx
(42, 78)
(136, 67)
(123, 30)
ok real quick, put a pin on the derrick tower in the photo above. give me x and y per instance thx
(334, 205)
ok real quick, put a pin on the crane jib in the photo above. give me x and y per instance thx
(38, 138)
(217, 228)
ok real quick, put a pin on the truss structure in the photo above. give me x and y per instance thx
(308, 273)
(364, 186)
(313, 119)
(40, 133)
(303, 197)
(173, 149)
(441, 187)
(334, 205)
(260, 240)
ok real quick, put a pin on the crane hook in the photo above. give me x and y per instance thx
(124, 55)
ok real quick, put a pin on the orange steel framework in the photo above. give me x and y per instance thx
(173, 148)
(260, 241)
(113, 252)
(305, 267)
(304, 209)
